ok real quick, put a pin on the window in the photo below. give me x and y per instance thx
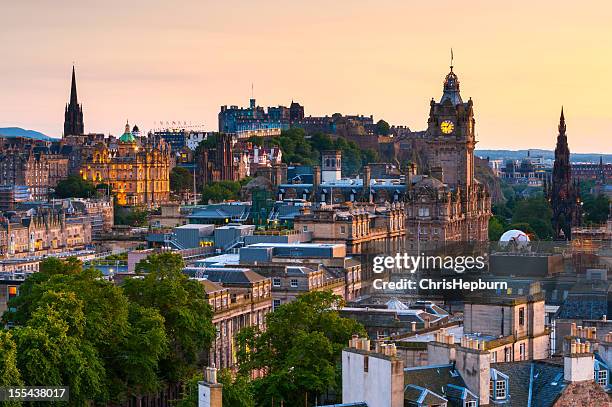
(305, 228)
(493, 357)
(276, 282)
(522, 351)
(294, 282)
(500, 389)
(366, 363)
(471, 403)
(423, 211)
(343, 229)
(602, 377)
(276, 304)
(522, 316)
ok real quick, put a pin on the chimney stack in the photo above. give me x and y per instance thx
(474, 365)
(210, 393)
(578, 364)
(367, 176)
(316, 181)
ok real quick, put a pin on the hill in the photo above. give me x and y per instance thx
(19, 132)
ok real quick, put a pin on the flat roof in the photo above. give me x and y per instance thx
(305, 245)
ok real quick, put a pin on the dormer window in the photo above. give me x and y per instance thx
(471, 403)
(500, 389)
(600, 373)
(602, 377)
(498, 385)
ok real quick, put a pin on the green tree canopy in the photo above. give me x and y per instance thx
(181, 180)
(74, 187)
(535, 212)
(300, 349)
(596, 209)
(382, 128)
(9, 374)
(75, 328)
(182, 304)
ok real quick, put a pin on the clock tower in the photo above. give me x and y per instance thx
(450, 136)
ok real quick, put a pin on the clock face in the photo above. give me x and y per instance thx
(447, 127)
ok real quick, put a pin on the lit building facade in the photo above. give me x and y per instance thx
(136, 169)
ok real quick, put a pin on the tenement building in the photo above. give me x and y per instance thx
(49, 232)
(446, 202)
(23, 164)
(137, 169)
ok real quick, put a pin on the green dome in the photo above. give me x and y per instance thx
(127, 137)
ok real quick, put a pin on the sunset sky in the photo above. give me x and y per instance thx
(150, 60)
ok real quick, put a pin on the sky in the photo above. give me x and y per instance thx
(148, 61)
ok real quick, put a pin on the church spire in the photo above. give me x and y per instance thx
(73, 89)
(73, 116)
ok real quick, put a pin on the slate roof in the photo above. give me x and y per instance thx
(544, 378)
(237, 276)
(434, 378)
(584, 306)
(220, 211)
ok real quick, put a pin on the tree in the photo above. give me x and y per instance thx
(497, 227)
(92, 321)
(300, 349)
(52, 350)
(596, 209)
(181, 180)
(182, 304)
(382, 128)
(222, 191)
(237, 389)
(9, 374)
(535, 212)
(74, 187)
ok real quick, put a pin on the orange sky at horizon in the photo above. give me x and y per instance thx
(152, 60)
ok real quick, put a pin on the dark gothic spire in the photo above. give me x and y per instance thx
(73, 89)
(73, 116)
(562, 123)
(564, 193)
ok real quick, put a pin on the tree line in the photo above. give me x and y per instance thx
(111, 343)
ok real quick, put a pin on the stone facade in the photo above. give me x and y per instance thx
(47, 233)
(446, 203)
(353, 225)
(137, 169)
(235, 306)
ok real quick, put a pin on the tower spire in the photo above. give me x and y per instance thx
(73, 89)
(73, 116)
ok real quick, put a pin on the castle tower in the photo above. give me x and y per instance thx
(73, 116)
(331, 165)
(564, 196)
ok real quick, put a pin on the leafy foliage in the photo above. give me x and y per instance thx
(9, 374)
(181, 180)
(299, 350)
(183, 306)
(75, 187)
(74, 328)
(223, 191)
(596, 209)
(382, 128)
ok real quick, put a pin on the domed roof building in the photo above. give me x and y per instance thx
(127, 136)
(137, 169)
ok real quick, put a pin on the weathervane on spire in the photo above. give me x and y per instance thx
(451, 64)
